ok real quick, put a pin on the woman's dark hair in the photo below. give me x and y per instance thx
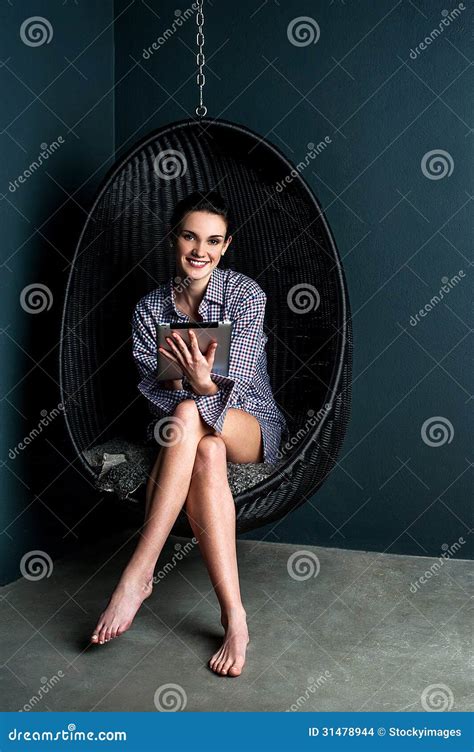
(211, 202)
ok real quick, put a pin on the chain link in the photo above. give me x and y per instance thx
(201, 110)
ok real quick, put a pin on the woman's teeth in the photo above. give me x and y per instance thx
(196, 263)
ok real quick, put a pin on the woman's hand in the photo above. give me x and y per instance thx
(197, 366)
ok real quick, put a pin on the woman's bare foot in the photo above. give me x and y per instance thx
(126, 599)
(230, 658)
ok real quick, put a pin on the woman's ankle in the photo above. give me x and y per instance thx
(235, 613)
(139, 570)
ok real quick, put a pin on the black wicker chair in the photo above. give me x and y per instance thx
(283, 241)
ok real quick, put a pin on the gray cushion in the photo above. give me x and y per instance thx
(122, 467)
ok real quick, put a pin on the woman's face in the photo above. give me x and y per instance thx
(202, 239)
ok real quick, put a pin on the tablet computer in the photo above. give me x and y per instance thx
(206, 332)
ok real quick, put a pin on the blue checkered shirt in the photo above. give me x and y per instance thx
(230, 295)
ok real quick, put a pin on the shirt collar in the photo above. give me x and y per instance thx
(214, 291)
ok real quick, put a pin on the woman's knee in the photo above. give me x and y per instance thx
(186, 413)
(210, 450)
(186, 407)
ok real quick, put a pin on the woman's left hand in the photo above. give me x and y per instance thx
(196, 366)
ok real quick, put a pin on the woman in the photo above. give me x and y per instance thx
(213, 419)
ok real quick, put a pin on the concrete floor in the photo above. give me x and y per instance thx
(352, 638)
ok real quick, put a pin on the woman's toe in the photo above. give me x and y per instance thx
(221, 665)
(236, 668)
(226, 667)
(102, 634)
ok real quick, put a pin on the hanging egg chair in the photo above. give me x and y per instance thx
(283, 241)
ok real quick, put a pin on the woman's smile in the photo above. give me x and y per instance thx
(196, 262)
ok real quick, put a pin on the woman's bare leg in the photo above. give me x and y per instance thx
(166, 500)
(153, 480)
(211, 512)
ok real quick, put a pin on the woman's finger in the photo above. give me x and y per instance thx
(168, 354)
(181, 347)
(196, 353)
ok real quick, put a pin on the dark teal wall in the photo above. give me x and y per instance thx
(400, 233)
(60, 91)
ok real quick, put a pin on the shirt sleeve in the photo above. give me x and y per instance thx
(247, 345)
(145, 355)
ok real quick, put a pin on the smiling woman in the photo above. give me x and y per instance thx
(212, 419)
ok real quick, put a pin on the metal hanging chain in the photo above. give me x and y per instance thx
(201, 110)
